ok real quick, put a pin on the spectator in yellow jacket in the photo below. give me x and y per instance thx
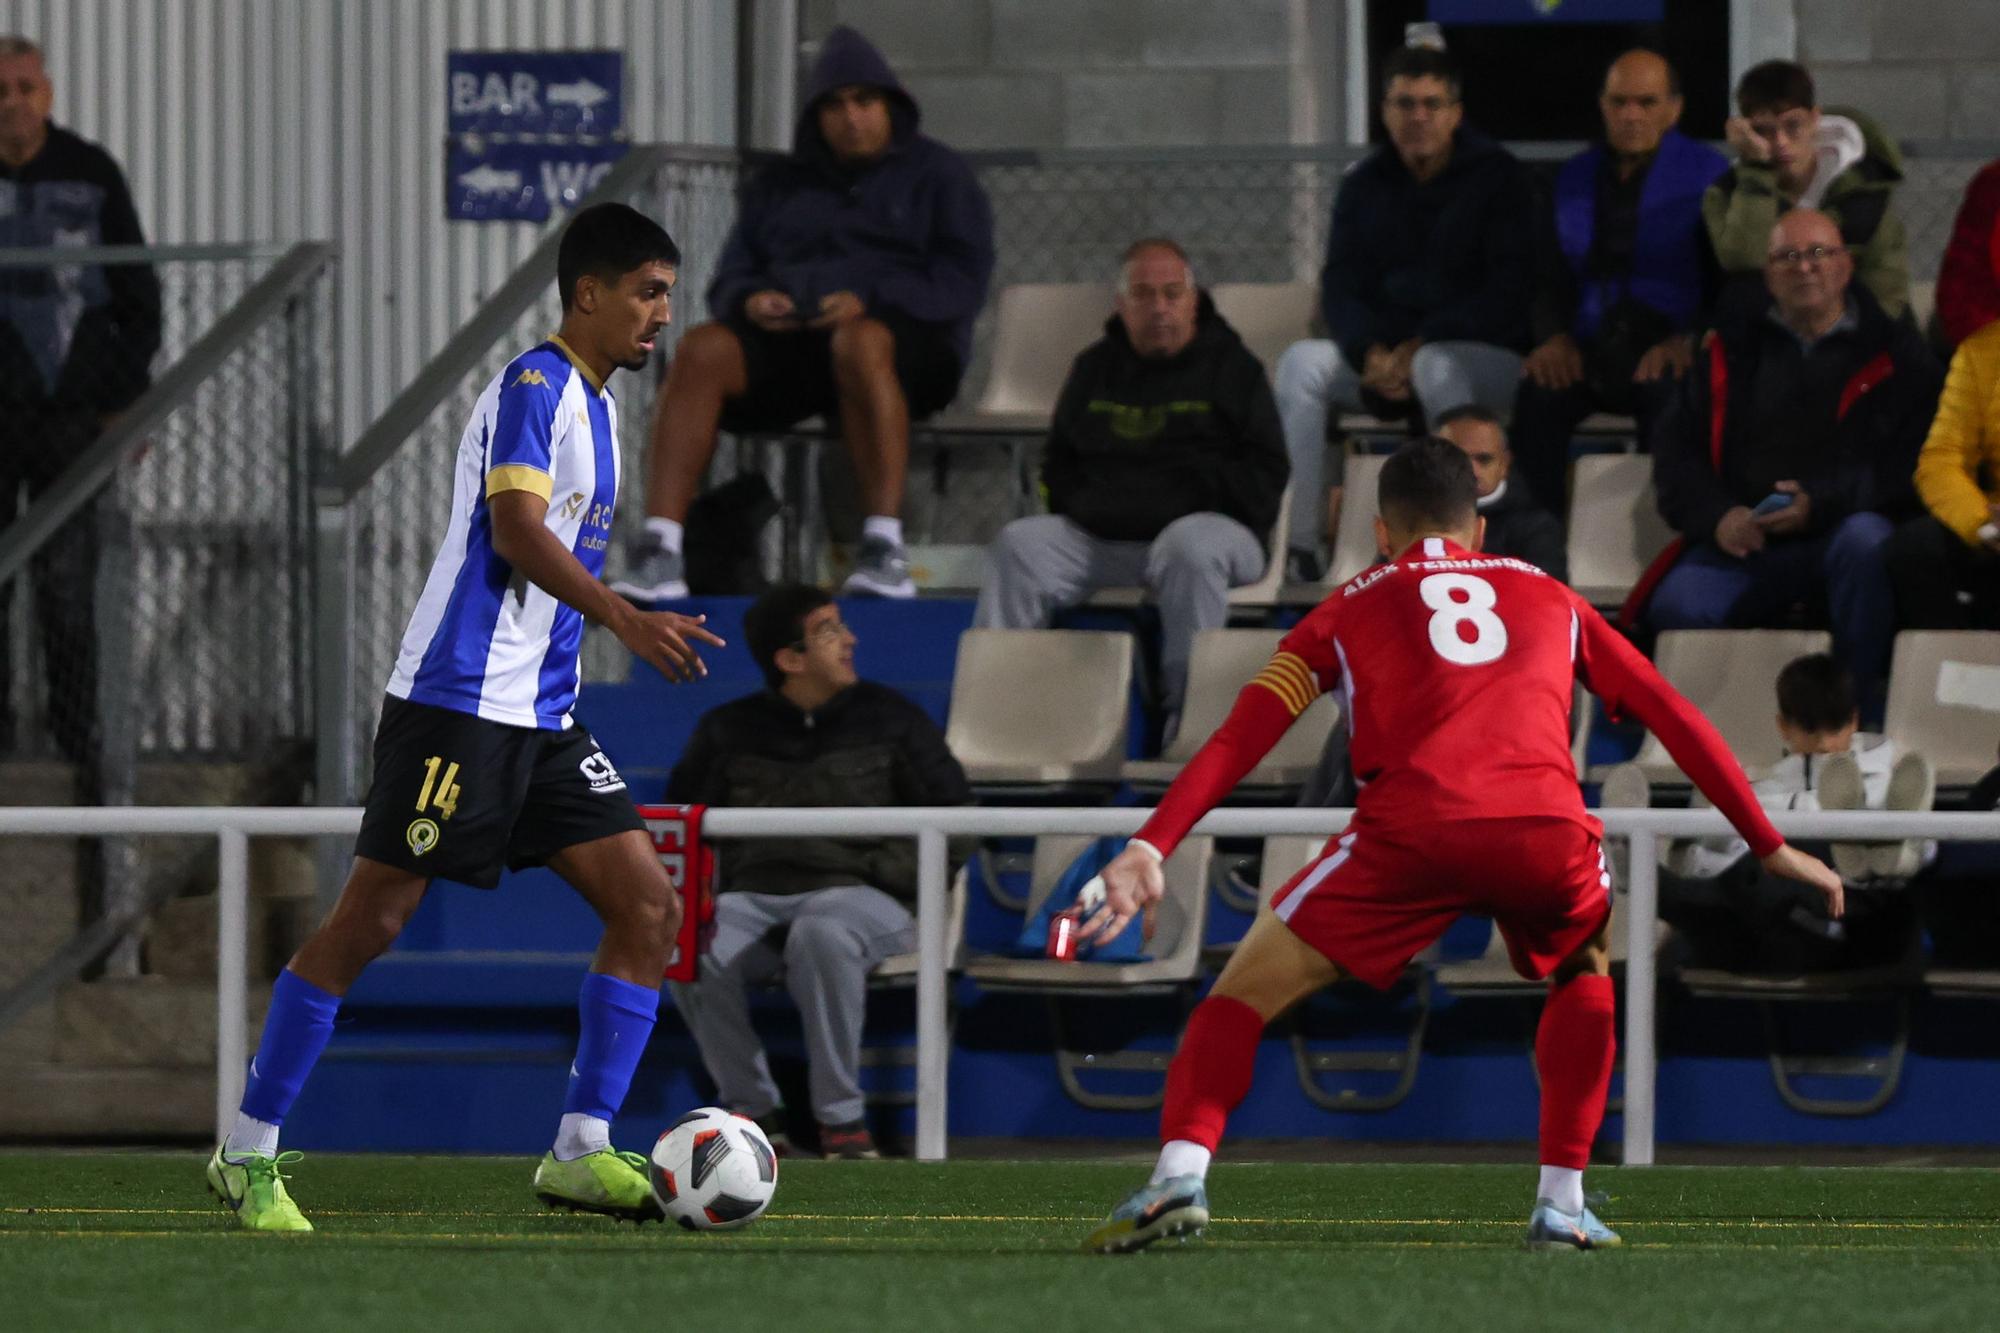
(1946, 565)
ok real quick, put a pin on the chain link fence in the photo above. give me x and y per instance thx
(1254, 215)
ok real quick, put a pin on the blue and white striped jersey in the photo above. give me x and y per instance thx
(483, 639)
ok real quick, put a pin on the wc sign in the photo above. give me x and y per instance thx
(529, 131)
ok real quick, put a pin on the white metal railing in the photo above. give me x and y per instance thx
(931, 826)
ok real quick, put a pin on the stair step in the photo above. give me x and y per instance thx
(180, 938)
(70, 1103)
(38, 904)
(127, 1022)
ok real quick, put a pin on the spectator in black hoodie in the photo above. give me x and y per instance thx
(1164, 467)
(1426, 290)
(74, 352)
(1516, 525)
(847, 289)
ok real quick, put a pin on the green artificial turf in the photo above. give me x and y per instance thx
(132, 1241)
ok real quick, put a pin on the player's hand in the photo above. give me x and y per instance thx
(1739, 534)
(1792, 519)
(1670, 356)
(1133, 882)
(1789, 862)
(838, 308)
(1749, 145)
(771, 311)
(661, 639)
(1556, 364)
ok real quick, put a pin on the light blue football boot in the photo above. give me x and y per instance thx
(1177, 1206)
(1550, 1228)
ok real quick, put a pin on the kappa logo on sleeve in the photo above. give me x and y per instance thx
(532, 377)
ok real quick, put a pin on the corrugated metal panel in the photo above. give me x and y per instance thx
(266, 120)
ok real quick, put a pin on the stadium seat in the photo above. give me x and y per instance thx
(1731, 676)
(1614, 528)
(1354, 544)
(1268, 316)
(1944, 700)
(1174, 967)
(1038, 328)
(1923, 307)
(1040, 709)
(1224, 660)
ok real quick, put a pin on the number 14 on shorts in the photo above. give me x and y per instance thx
(440, 791)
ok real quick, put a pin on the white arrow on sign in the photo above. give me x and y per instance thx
(583, 94)
(490, 180)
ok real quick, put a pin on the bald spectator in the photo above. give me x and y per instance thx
(1164, 467)
(1515, 524)
(1788, 459)
(1790, 154)
(1425, 292)
(1624, 280)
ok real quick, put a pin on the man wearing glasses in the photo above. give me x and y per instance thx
(1787, 461)
(1425, 292)
(815, 913)
(1790, 154)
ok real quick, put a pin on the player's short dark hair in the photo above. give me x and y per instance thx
(1775, 85)
(1485, 416)
(777, 619)
(607, 241)
(1816, 693)
(1428, 483)
(1422, 62)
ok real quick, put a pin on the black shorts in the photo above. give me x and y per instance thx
(791, 374)
(457, 797)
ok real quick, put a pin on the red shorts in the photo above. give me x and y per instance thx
(1375, 898)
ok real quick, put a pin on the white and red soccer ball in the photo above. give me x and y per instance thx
(714, 1170)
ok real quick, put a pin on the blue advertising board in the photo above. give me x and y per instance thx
(521, 182)
(1546, 11)
(535, 92)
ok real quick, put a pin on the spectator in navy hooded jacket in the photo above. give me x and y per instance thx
(1425, 290)
(847, 289)
(1625, 274)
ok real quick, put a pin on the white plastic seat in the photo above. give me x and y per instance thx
(1354, 546)
(1040, 707)
(1944, 701)
(1223, 662)
(1731, 676)
(1615, 529)
(1038, 329)
(1268, 316)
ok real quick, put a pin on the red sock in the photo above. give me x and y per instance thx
(1211, 1072)
(1574, 1048)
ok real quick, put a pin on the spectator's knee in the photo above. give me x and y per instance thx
(707, 349)
(1186, 544)
(821, 938)
(1432, 372)
(1303, 368)
(1860, 536)
(863, 347)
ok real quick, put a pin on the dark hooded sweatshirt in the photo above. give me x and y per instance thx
(1138, 442)
(910, 232)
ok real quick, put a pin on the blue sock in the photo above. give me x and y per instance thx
(295, 1032)
(617, 1018)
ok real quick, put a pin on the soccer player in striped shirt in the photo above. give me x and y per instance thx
(478, 763)
(1455, 672)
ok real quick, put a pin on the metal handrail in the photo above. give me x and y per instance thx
(931, 826)
(91, 473)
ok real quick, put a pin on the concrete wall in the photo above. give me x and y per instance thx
(1929, 70)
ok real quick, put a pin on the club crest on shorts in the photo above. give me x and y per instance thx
(597, 770)
(422, 835)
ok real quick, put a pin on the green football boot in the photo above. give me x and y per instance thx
(255, 1191)
(610, 1182)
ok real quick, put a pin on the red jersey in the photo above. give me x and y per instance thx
(1455, 673)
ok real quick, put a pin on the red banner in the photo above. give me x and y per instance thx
(676, 831)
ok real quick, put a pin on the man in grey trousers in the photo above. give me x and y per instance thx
(816, 913)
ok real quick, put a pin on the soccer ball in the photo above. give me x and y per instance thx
(714, 1170)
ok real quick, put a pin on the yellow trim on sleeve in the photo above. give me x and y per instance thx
(589, 377)
(519, 477)
(1288, 677)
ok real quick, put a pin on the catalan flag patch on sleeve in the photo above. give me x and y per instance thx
(1288, 677)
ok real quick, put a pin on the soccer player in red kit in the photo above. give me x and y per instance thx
(1456, 672)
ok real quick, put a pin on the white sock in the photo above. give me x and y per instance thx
(1181, 1157)
(1563, 1187)
(250, 1136)
(883, 526)
(581, 1135)
(668, 531)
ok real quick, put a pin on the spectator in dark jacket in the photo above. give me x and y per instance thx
(847, 289)
(1516, 525)
(1624, 275)
(1968, 286)
(1788, 460)
(74, 352)
(819, 913)
(1425, 291)
(1164, 467)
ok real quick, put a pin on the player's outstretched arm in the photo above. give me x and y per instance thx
(523, 540)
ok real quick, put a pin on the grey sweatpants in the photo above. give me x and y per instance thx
(822, 943)
(1041, 564)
